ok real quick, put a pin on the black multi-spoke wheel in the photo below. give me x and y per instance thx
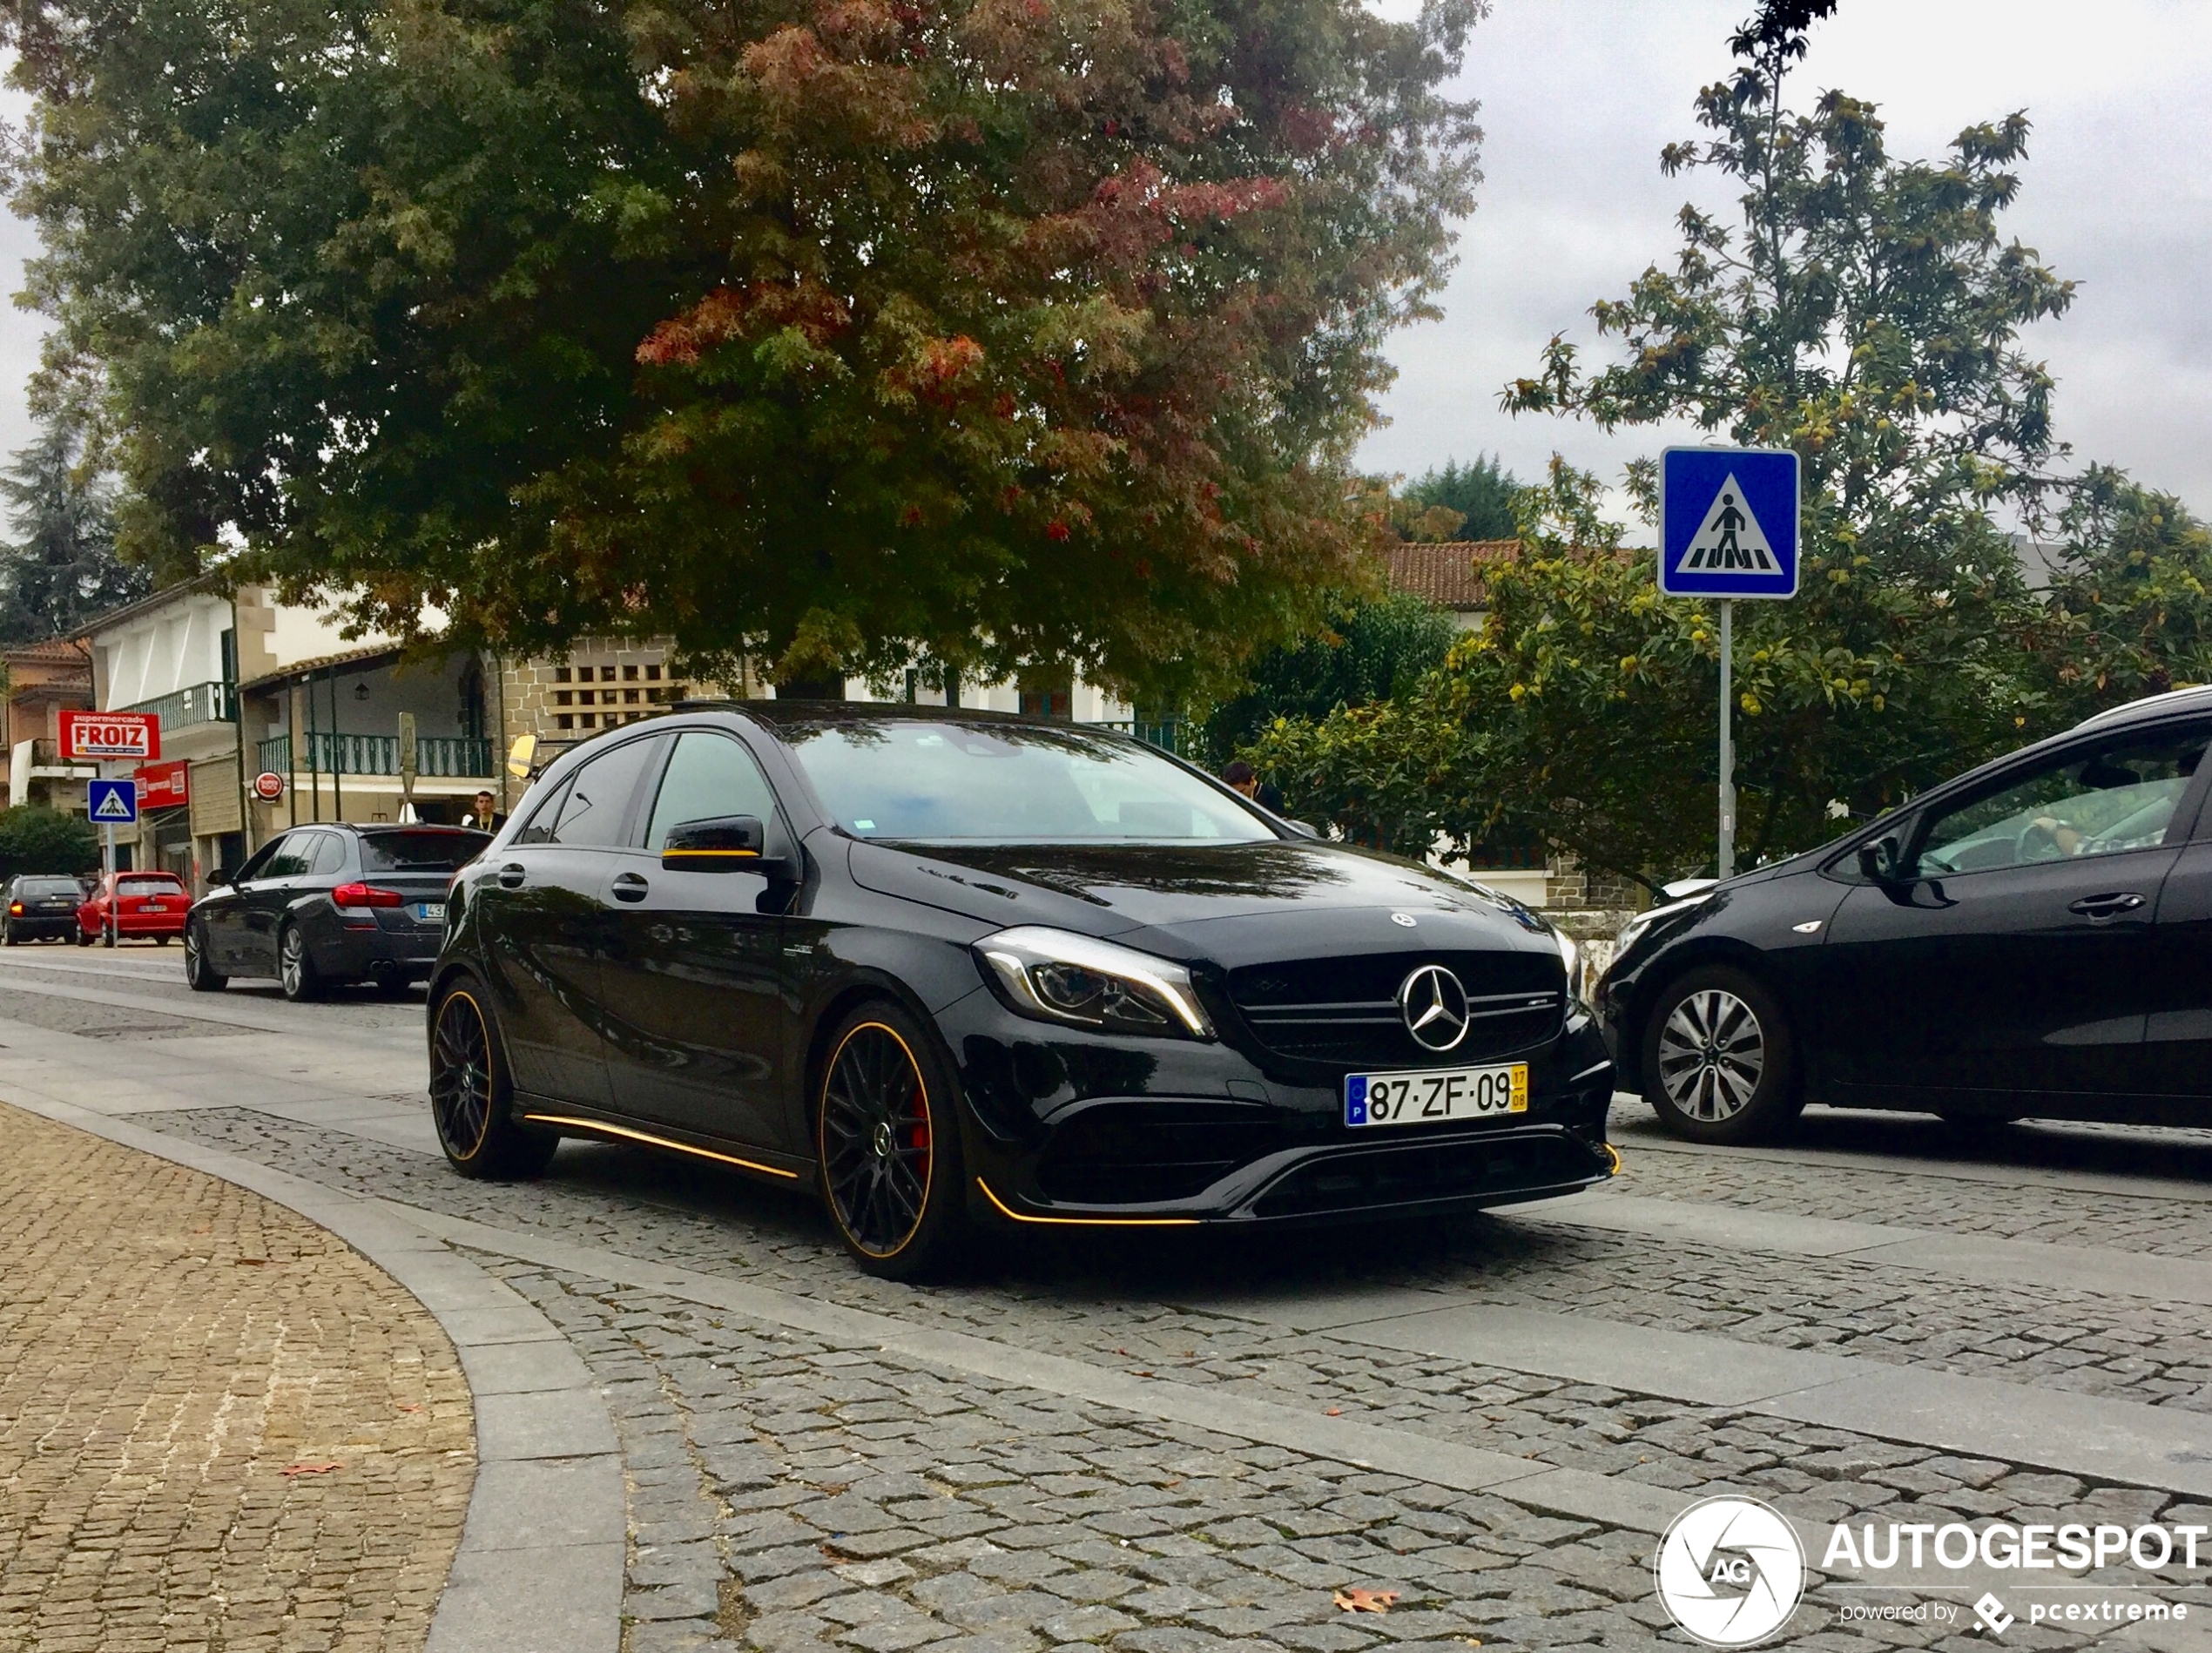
(1718, 1062)
(888, 1147)
(201, 973)
(469, 1095)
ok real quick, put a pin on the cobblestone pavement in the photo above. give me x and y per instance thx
(220, 1428)
(787, 1490)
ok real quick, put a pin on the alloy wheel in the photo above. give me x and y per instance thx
(195, 961)
(1712, 1052)
(292, 962)
(461, 1076)
(876, 1149)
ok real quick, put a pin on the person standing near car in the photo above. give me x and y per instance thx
(1241, 777)
(482, 816)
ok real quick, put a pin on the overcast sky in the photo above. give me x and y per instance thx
(1579, 95)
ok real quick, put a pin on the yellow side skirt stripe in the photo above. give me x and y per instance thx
(623, 1132)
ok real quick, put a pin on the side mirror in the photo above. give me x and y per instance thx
(1304, 828)
(521, 756)
(1878, 861)
(221, 876)
(721, 844)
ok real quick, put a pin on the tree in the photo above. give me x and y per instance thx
(1865, 311)
(1375, 648)
(34, 838)
(1483, 494)
(2131, 606)
(62, 568)
(1001, 331)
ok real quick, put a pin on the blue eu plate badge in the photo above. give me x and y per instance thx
(1355, 1099)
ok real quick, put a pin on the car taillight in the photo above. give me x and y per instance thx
(15, 907)
(365, 895)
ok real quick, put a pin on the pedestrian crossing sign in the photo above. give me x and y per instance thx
(111, 803)
(1728, 521)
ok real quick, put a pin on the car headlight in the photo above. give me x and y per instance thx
(1057, 976)
(1633, 931)
(1570, 955)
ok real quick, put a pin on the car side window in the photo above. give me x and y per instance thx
(2103, 801)
(288, 856)
(708, 774)
(330, 853)
(258, 866)
(598, 798)
(538, 829)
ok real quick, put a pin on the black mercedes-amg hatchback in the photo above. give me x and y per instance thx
(952, 967)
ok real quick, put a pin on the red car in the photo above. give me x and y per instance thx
(127, 904)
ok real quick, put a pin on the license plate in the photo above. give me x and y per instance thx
(149, 907)
(429, 910)
(1434, 1095)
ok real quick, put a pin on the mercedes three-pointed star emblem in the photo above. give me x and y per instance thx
(1435, 1008)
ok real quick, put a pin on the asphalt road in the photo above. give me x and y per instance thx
(1173, 1442)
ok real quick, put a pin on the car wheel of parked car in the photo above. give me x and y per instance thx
(107, 936)
(887, 1146)
(295, 970)
(83, 936)
(199, 975)
(7, 935)
(1719, 1064)
(470, 1096)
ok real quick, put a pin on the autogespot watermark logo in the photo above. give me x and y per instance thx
(1730, 1571)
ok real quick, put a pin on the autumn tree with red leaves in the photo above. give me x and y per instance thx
(843, 332)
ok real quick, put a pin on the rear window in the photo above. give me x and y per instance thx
(39, 886)
(421, 851)
(148, 885)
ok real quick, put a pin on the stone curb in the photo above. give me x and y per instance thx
(540, 1565)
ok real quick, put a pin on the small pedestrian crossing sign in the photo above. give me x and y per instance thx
(111, 803)
(1728, 521)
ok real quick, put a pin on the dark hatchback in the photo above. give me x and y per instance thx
(325, 905)
(948, 966)
(40, 908)
(2030, 940)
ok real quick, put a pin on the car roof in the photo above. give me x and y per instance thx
(374, 828)
(851, 712)
(2195, 698)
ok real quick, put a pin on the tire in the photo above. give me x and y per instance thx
(107, 936)
(7, 935)
(471, 1099)
(83, 936)
(199, 975)
(296, 967)
(887, 1147)
(1720, 1064)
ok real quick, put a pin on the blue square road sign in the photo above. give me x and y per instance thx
(1728, 521)
(111, 803)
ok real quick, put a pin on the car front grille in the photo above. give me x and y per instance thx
(1142, 1152)
(1344, 1012)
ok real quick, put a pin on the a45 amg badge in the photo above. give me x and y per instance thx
(1435, 1006)
(1730, 1571)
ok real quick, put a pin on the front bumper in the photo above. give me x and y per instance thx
(1079, 1129)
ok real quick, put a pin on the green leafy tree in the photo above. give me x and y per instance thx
(34, 838)
(2130, 602)
(1866, 312)
(996, 331)
(61, 569)
(1373, 650)
(1482, 493)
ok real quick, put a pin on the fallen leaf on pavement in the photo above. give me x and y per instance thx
(313, 1469)
(1336, 1411)
(1353, 1599)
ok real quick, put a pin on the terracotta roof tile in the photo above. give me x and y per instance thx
(1448, 575)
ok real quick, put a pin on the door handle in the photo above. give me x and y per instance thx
(511, 875)
(2107, 906)
(629, 887)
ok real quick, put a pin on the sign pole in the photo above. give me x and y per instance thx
(1728, 745)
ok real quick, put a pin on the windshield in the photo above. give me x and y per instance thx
(420, 852)
(1010, 784)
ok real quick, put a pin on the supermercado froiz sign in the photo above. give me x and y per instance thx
(89, 736)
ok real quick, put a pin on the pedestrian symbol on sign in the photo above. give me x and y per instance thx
(1730, 537)
(112, 803)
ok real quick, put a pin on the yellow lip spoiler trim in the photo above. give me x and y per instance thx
(657, 1142)
(1087, 1222)
(1613, 1154)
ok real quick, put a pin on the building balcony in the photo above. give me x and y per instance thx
(437, 757)
(215, 702)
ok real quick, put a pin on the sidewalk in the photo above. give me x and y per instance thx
(219, 1426)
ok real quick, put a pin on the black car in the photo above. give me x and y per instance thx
(2033, 939)
(329, 904)
(945, 965)
(40, 908)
